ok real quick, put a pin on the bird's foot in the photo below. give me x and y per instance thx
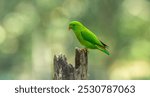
(85, 50)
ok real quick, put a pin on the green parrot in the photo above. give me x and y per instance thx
(87, 37)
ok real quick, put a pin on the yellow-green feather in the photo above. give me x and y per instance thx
(86, 37)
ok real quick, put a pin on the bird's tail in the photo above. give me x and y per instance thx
(103, 50)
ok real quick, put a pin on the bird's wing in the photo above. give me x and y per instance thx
(91, 37)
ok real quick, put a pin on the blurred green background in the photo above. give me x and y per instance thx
(32, 31)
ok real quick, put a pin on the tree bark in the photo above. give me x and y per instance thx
(65, 71)
(81, 64)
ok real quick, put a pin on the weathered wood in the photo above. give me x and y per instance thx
(81, 64)
(62, 70)
(65, 71)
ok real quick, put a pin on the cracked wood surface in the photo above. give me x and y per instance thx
(65, 71)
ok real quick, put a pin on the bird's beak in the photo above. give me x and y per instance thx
(69, 28)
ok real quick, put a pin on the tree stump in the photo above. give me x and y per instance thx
(65, 71)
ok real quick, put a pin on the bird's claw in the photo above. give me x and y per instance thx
(85, 50)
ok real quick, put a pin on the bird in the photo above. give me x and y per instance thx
(87, 38)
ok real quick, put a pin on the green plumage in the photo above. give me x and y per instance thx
(87, 37)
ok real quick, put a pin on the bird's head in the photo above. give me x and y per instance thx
(74, 25)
